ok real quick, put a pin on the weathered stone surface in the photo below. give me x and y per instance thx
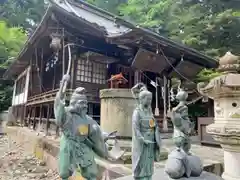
(225, 91)
(116, 111)
(18, 163)
(160, 174)
(180, 161)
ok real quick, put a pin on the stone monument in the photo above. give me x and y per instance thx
(116, 111)
(146, 141)
(117, 105)
(225, 91)
(181, 163)
(81, 138)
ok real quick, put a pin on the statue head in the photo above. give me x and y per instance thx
(145, 97)
(182, 95)
(78, 101)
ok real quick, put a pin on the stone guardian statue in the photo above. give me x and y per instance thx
(180, 162)
(81, 135)
(146, 141)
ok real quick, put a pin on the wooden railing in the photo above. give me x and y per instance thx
(45, 97)
(38, 112)
(49, 96)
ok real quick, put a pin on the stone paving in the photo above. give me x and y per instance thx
(17, 163)
(212, 157)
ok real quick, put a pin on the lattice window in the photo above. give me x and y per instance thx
(91, 72)
(99, 73)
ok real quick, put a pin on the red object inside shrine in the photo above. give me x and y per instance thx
(117, 80)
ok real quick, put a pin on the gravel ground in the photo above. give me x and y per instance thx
(18, 164)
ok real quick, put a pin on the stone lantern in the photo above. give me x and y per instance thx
(225, 91)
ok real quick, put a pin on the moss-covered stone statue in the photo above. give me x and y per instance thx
(81, 135)
(146, 141)
(181, 163)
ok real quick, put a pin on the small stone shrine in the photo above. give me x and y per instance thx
(225, 90)
(117, 105)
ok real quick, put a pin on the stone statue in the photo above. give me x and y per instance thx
(181, 122)
(146, 141)
(81, 135)
(180, 161)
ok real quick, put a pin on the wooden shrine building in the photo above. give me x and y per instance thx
(101, 45)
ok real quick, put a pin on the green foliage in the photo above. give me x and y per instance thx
(5, 95)
(211, 27)
(207, 74)
(11, 42)
(16, 17)
(108, 5)
(208, 26)
(24, 13)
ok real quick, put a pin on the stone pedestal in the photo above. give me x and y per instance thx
(232, 165)
(161, 175)
(117, 106)
(225, 90)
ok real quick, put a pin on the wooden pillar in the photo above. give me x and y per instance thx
(57, 131)
(16, 113)
(29, 116)
(54, 77)
(47, 121)
(165, 104)
(23, 114)
(137, 77)
(40, 119)
(41, 72)
(169, 87)
(156, 112)
(130, 74)
(31, 78)
(34, 117)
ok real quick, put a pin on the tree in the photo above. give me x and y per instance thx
(153, 14)
(11, 42)
(208, 26)
(16, 18)
(5, 94)
(24, 13)
(108, 5)
(211, 27)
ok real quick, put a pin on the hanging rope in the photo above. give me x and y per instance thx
(165, 57)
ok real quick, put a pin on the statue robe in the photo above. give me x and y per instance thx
(143, 155)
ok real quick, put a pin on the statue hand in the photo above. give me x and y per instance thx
(175, 109)
(65, 78)
(148, 142)
(140, 85)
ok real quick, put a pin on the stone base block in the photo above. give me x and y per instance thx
(160, 174)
